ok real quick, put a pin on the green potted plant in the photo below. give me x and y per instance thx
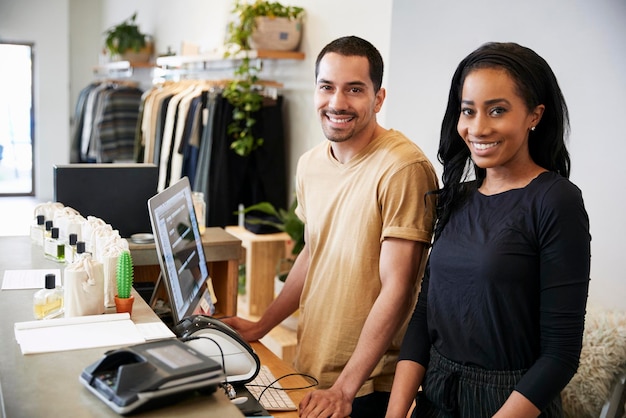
(247, 31)
(125, 40)
(284, 220)
(243, 35)
(124, 275)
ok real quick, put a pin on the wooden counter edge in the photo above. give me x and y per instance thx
(280, 368)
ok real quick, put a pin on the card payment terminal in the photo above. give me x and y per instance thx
(137, 376)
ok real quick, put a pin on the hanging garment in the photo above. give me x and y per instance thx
(106, 117)
(185, 124)
(258, 177)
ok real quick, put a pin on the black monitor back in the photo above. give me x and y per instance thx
(116, 193)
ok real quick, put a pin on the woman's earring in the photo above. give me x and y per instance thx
(532, 128)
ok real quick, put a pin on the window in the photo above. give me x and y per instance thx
(16, 119)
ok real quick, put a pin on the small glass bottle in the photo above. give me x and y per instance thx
(37, 230)
(48, 302)
(48, 228)
(53, 248)
(80, 250)
(199, 206)
(70, 248)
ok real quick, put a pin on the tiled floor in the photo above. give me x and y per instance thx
(16, 215)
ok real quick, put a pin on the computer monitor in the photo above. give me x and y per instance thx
(184, 270)
(114, 192)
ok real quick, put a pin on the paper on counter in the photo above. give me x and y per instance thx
(64, 334)
(28, 279)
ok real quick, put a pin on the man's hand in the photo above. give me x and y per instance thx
(249, 331)
(327, 403)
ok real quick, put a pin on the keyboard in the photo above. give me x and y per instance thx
(272, 399)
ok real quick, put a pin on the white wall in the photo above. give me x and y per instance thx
(421, 42)
(85, 44)
(46, 23)
(585, 44)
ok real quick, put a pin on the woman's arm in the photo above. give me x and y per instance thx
(406, 382)
(564, 258)
(414, 354)
(517, 406)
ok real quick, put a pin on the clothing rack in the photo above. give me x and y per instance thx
(197, 144)
(184, 131)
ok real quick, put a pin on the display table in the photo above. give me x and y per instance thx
(262, 253)
(40, 385)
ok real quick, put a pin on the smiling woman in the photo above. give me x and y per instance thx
(16, 119)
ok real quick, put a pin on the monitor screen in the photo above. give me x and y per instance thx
(179, 247)
(115, 193)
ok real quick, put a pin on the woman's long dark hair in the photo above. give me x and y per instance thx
(536, 84)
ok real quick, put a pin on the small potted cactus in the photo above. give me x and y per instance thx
(124, 277)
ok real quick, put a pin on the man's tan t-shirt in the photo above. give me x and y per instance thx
(349, 209)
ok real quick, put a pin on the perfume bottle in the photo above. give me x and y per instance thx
(53, 248)
(47, 229)
(80, 249)
(70, 248)
(48, 302)
(37, 230)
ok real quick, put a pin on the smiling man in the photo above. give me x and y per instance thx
(363, 196)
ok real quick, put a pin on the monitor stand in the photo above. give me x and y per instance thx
(204, 307)
(155, 291)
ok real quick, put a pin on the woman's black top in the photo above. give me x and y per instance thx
(506, 286)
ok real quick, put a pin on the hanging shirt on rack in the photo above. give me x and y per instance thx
(87, 154)
(168, 137)
(184, 105)
(117, 123)
(79, 121)
(106, 118)
(192, 136)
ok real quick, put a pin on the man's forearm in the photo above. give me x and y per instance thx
(399, 266)
(288, 299)
(381, 326)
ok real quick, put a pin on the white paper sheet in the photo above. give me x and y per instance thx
(75, 333)
(28, 279)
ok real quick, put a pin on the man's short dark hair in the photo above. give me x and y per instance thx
(354, 46)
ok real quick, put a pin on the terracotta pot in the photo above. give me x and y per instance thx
(124, 304)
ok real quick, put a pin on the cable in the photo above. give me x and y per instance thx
(193, 337)
(270, 386)
(229, 390)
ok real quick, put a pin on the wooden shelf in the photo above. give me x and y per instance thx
(279, 55)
